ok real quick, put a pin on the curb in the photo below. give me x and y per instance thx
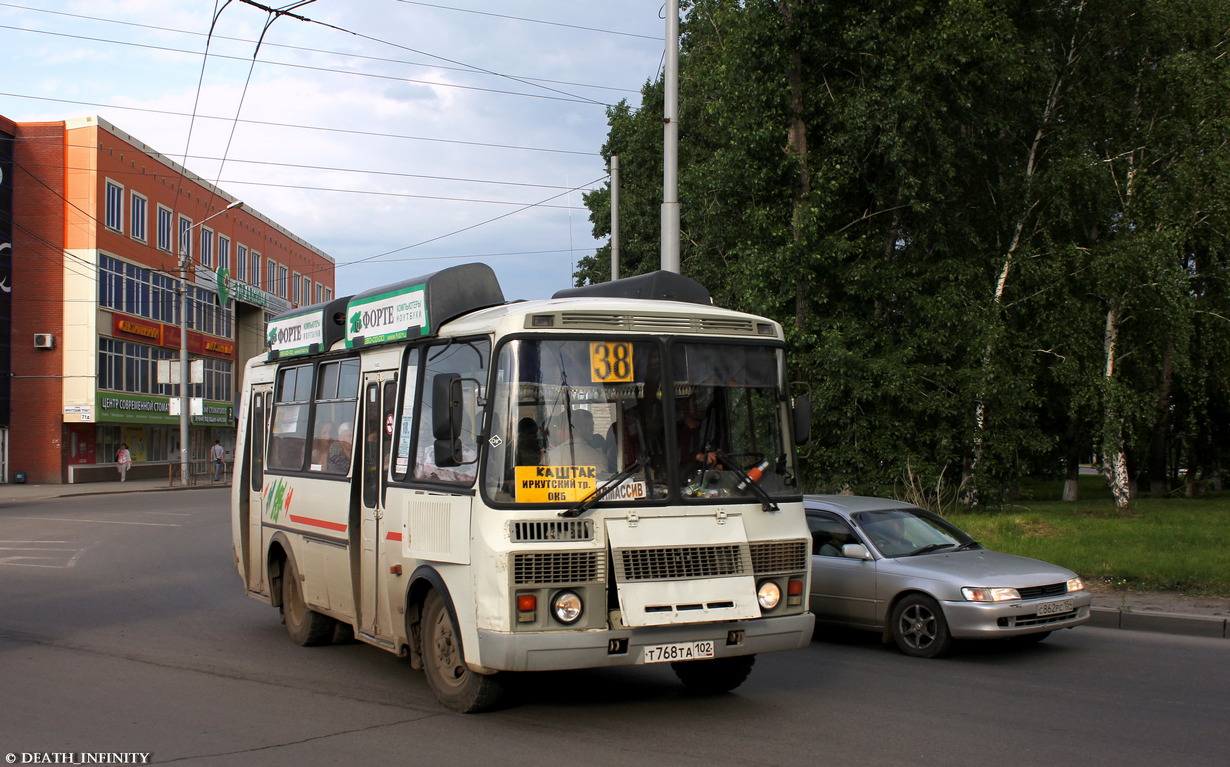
(1164, 623)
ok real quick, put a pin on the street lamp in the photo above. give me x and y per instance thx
(185, 237)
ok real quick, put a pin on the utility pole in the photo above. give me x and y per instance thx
(615, 217)
(670, 151)
(185, 260)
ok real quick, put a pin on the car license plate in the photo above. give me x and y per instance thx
(1052, 608)
(665, 653)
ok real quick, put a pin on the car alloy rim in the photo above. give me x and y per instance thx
(918, 626)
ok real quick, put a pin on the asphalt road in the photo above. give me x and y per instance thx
(123, 628)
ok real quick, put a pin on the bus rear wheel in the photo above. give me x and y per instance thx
(306, 627)
(453, 683)
(718, 675)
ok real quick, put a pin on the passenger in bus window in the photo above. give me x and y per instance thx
(339, 451)
(320, 445)
(572, 437)
(529, 444)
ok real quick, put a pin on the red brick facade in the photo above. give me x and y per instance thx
(61, 174)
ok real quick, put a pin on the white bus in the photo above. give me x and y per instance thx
(605, 478)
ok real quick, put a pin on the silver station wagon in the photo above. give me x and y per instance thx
(895, 568)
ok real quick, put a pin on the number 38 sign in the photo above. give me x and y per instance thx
(611, 362)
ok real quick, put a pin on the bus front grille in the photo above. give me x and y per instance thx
(530, 531)
(557, 567)
(774, 557)
(681, 563)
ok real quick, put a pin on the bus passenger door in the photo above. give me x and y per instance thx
(254, 447)
(379, 395)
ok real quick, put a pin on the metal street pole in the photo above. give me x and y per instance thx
(185, 256)
(614, 217)
(670, 158)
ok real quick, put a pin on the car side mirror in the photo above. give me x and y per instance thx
(855, 551)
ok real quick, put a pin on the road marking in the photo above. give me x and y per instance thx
(103, 521)
(36, 559)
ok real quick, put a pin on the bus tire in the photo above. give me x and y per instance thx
(717, 675)
(452, 682)
(306, 627)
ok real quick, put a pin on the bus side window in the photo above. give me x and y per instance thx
(469, 360)
(402, 455)
(288, 436)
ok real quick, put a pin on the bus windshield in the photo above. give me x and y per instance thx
(690, 421)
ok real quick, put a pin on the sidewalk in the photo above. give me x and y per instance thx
(1164, 613)
(12, 493)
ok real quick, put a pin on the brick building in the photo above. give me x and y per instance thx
(92, 223)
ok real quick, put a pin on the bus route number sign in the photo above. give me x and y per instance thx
(611, 361)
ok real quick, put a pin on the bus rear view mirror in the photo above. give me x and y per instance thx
(802, 419)
(446, 406)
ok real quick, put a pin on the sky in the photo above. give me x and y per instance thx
(399, 137)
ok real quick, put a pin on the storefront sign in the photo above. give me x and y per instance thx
(124, 325)
(115, 407)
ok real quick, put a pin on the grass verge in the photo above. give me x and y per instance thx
(1171, 544)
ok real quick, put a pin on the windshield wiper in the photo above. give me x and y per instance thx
(930, 547)
(601, 491)
(968, 545)
(746, 481)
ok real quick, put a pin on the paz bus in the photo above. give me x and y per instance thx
(604, 478)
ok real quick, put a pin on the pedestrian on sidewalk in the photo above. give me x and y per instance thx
(218, 453)
(123, 458)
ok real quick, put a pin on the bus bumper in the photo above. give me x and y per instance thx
(558, 650)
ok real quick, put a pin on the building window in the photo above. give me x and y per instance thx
(135, 290)
(320, 293)
(218, 383)
(307, 290)
(164, 228)
(207, 248)
(271, 278)
(256, 269)
(296, 294)
(125, 366)
(241, 263)
(185, 237)
(115, 206)
(137, 207)
(224, 253)
(281, 281)
(328, 294)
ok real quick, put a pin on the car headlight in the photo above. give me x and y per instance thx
(566, 607)
(768, 595)
(1075, 584)
(974, 594)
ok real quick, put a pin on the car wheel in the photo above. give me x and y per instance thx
(717, 675)
(453, 683)
(919, 628)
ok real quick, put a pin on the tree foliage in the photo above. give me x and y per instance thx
(995, 230)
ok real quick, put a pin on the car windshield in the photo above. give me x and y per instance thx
(690, 421)
(910, 532)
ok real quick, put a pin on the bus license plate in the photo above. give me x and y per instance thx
(665, 653)
(1053, 608)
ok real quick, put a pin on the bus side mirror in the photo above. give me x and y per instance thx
(446, 418)
(802, 419)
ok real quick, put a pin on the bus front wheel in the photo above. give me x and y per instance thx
(306, 627)
(453, 683)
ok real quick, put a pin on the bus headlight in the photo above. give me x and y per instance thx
(768, 595)
(566, 607)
